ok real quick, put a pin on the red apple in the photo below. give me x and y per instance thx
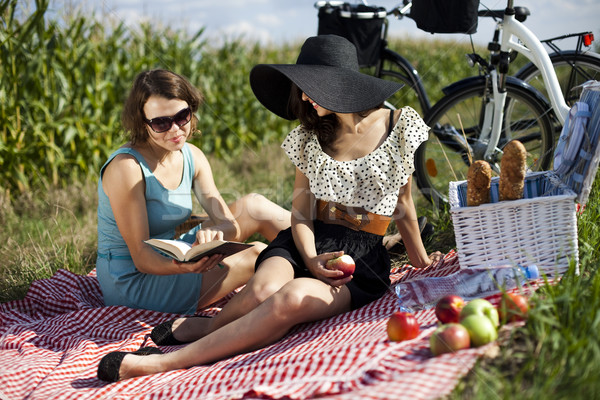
(343, 263)
(449, 338)
(480, 307)
(481, 329)
(402, 326)
(448, 308)
(513, 307)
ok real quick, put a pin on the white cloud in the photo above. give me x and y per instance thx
(246, 30)
(269, 20)
(285, 20)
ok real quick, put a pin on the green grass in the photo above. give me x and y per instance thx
(61, 90)
(556, 355)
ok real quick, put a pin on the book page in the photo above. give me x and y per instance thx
(184, 247)
(176, 248)
(184, 252)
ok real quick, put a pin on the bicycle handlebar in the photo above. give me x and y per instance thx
(397, 11)
(521, 13)
(401, 10)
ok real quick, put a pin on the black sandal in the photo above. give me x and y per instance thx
(108, 369)
(162, 335)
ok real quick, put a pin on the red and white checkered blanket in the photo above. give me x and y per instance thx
(52, 341)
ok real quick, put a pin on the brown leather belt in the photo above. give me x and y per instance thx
(355, 218)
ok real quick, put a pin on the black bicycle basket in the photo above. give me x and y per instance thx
(360, 24)
(445, 16)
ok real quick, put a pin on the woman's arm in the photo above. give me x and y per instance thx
(124, 185)
(302, 218)
(222, 224)
(405, 217)
(303, 210)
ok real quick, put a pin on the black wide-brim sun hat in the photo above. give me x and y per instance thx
(327, 71)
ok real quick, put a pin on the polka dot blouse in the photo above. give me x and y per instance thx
(373, 181)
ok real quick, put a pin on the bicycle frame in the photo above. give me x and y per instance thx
(533, 49)
(516, 36)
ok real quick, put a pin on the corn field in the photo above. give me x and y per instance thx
(62, 85)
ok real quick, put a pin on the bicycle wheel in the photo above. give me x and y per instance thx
(396, 68)
(572, 69)
(456, 122)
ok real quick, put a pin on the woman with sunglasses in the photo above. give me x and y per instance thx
(145, 192)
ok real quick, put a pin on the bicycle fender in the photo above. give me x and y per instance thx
(480, 80)
(417, 82)
(528, 68)
(397, 58)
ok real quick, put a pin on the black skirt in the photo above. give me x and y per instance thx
(371, 279)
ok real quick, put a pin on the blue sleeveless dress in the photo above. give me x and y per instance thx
(120, 281)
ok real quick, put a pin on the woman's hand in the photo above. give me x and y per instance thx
(318, 267)
(431, 259)
(208, 235)
(436, 256)
(205, 264)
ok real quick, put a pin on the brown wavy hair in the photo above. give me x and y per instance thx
(324, 127)
(157, 82)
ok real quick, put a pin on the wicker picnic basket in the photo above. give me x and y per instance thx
(540, 228)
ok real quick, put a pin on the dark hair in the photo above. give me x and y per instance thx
(323, 126)
(157, 82)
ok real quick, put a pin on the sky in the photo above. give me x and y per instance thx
(277, 21)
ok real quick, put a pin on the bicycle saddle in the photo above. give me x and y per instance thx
(521, 13)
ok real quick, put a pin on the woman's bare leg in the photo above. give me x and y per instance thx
(232, 273)
(298, 301)
(257, 214)
(270, 277)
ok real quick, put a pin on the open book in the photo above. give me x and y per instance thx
(184, 252)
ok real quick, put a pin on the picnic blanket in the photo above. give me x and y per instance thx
(52, 341)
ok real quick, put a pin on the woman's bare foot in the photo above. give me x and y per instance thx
(393, 243)
(191, 329)
(390, 241)
(135, 365)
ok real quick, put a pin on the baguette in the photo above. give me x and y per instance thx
(512, 171)
(479, 177)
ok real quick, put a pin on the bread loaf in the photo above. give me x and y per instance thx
(479, 177)
(512, 171)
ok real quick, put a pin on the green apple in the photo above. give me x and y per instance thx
(480, 328)
(481, 307)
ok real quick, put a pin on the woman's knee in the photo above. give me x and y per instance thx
(261, 291)
(273, 274)
(290, 301)
(255, 206)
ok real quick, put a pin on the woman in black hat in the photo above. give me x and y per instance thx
(354, 163)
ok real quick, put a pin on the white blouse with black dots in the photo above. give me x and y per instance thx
(372, 181)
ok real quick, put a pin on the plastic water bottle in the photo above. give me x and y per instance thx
(468, 283)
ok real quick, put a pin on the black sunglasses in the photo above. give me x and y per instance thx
(163, 124)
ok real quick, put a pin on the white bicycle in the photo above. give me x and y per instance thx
(479, 115)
